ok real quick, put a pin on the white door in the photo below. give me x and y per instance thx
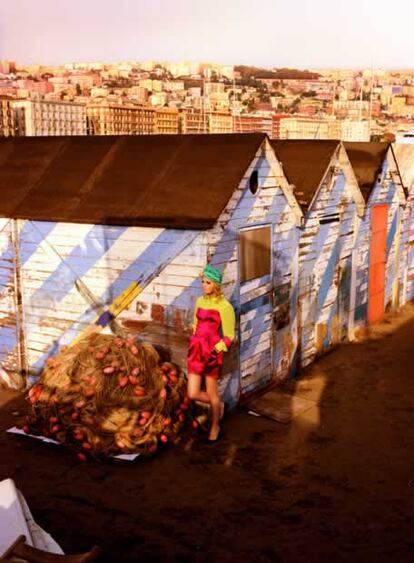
(255, 275)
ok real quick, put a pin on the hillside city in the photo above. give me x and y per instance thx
(133, 98)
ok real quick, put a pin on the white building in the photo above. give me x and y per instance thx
(355, 130)
(47, 118)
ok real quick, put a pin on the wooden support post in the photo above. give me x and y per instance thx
(18, 299)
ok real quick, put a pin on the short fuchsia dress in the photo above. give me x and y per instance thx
(214, 327)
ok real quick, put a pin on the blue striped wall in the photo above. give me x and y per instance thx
(322, 247)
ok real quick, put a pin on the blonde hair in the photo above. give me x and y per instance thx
(218, 292)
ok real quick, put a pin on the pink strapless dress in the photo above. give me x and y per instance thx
(202, 357)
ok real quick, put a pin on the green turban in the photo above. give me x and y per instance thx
(213, 274)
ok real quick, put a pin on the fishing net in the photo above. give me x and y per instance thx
(107, 395)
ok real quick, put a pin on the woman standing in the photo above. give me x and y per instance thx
(214, 328)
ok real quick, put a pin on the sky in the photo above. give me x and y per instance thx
(268, 33)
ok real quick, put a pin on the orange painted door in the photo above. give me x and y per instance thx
(378, 259)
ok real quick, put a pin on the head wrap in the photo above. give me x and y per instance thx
(213, 274)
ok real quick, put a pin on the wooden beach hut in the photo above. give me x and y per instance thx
(326, 188)
(114, 232)
(379, 238)
(404, 154)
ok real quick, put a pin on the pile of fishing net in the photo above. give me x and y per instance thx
(107, 395)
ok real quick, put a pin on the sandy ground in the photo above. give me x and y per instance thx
(336, 484)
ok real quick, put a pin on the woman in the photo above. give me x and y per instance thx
(214, 326)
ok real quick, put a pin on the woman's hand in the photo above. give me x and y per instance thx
(220, 347)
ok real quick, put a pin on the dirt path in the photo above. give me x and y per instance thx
(337, 484)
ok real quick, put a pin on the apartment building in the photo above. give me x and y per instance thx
(249, 123)
(351, 108)
(214, 88)
(220, 122)
(115, 119)
(193, 121)
(173, 86)
(276, 119)
(159, 99)
(138, 93)
(167, 121)
(354, 130)
(12, 122)
(41, 87)
(6, 118)
(301, 127)
(151, 85)
(47, 118)
(219, 101)
(7, 66)
(305, 127)
(86, 80)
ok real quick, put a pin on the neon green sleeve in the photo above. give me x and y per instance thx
(228, 327)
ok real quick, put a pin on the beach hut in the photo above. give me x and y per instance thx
(379, 238)
(404, 154)
(326, 188)
(114, 232)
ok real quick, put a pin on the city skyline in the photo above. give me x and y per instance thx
(353, 34)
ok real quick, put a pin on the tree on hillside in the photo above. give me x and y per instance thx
(249, 72)
(310, 94)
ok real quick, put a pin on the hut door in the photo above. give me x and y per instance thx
(378, 259)
(255, 261)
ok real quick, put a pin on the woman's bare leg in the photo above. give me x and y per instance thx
(212, 391)
(194, 389)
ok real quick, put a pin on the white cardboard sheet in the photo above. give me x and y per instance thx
(15, 430)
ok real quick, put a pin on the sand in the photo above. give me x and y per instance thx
(335, 484)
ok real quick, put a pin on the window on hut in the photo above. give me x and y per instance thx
(254, 182)
(255, 253)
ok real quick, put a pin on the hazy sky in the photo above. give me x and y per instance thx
(298, 33)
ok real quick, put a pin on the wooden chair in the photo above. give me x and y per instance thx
(20, 551)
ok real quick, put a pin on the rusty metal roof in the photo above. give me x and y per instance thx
(305, 163)
(176, 181)
(366, 159)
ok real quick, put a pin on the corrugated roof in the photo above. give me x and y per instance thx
(366, 159)
(305, 163)
(176, 181)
